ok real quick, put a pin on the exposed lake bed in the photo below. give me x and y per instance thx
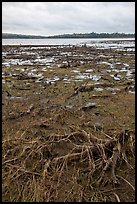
(54, 99)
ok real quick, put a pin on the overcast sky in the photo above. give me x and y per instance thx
(51, 18)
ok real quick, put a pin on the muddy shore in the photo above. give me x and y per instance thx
(53, 99)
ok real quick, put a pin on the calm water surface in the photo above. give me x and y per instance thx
(101, 42)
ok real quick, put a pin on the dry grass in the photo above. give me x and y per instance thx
(54, 150)
(63, 167)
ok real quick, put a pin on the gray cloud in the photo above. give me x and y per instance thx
(50, 18)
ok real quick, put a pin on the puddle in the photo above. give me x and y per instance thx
(34, 75)
(75, 71)
(29, 53)
(36, 48)
(67, 82)
(102, 55)
(129, 74)
(45, 69)
(118, 63)
(82, 62)
(107, 63)
(69, 106)
(108, 70)
(34, 70)
(16, 97)
(52, 80)
(24, 62)
(89, 105)
(123, 70)
(4, 54)
(112, 89)
(65, 79)
(98, 89)
(6, 64)
(130, 49)
(116, 78)
(126, 65)
(44, 61)
(66, 53)
(82, 77)
(39, 80)
(132, 86)
(89, 70)
(132, 92)
(93, 77)
(115, 70)
(9, 62)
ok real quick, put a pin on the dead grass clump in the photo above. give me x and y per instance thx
(63, 168)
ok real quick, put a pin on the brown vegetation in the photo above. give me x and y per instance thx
(68, 141)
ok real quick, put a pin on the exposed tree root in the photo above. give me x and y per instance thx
(49, 162)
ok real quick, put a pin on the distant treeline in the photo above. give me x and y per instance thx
(16, 36)
(74, 35)
(95, 35)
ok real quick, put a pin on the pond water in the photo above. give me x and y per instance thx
(98, 42)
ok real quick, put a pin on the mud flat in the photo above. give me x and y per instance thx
(68, 123)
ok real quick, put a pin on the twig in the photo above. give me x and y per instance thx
(117, 197)
(107, 135)
(127, 182)
(113, 189)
